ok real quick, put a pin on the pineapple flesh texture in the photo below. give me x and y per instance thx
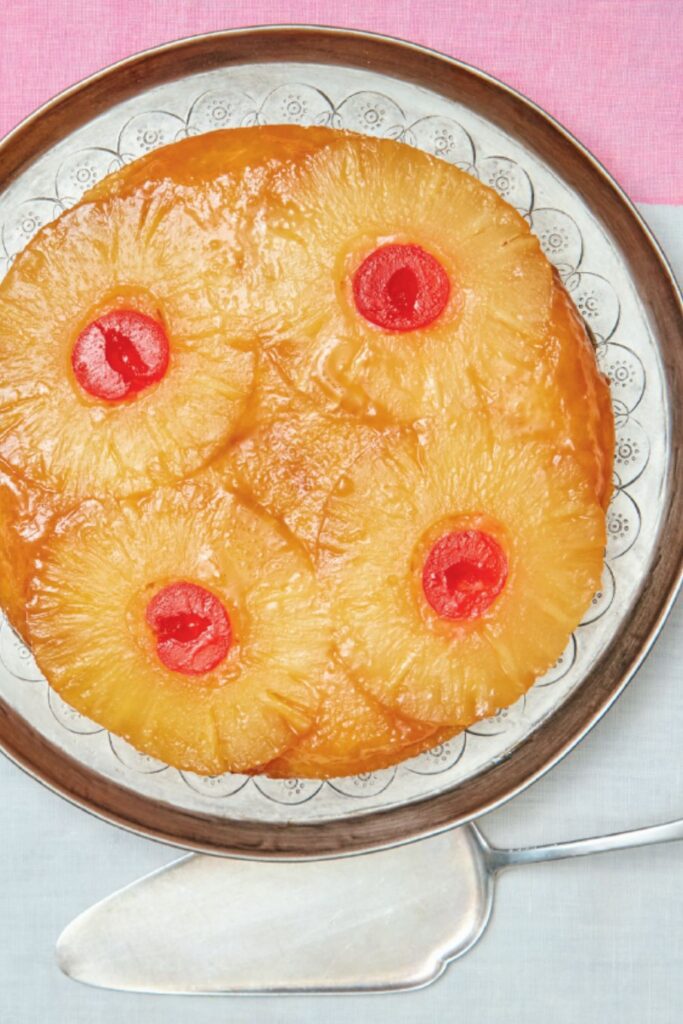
(584, 397)
(88, 630)
(291, 453)
(25, 513)
(254, 154)
(138, 253)
(374, 541)
(327, 213)
(224, 181)
(569, 404)
(353, 734)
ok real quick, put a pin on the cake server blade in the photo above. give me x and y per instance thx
(378, 922)
(381, 921)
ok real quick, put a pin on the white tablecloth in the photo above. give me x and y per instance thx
(596, 940)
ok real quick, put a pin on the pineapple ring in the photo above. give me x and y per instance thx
(134, 257)
(359, 196)
(90, 632)
(376, 538)
(352, 734)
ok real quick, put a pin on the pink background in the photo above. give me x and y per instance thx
(610, 70)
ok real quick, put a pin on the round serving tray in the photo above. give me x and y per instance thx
(621, 284)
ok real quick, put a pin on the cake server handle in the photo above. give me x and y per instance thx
(669, 832)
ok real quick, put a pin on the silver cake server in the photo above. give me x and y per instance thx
(373, 923)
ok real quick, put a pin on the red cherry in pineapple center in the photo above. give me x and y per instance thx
(463, 574)
(192, 628)
(401, 288)
(120, 354)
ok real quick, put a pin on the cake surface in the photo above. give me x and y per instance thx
(304, 453)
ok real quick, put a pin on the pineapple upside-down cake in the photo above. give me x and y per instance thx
(304, 453)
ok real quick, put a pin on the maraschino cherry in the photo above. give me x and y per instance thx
(192, 628)
(120, 354)
(401, 287)
(464, 573)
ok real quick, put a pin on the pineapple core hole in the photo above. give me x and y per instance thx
(120, 354)
(401, 288)
(191, 626)
(464, 573)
